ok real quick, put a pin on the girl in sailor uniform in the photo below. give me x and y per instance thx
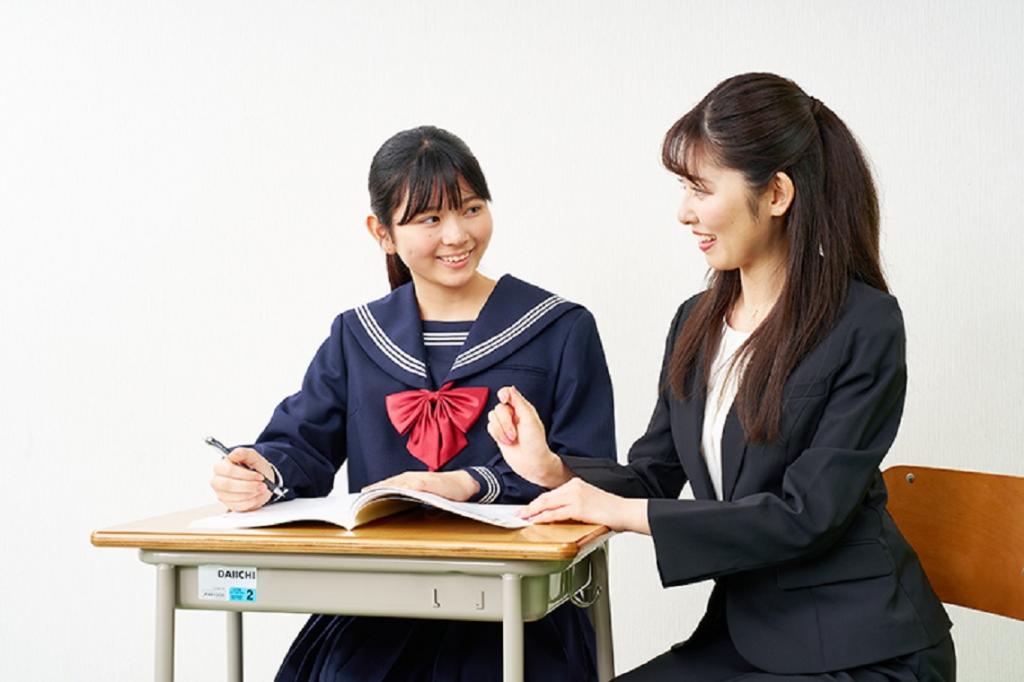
(397, 391)
(781, 391)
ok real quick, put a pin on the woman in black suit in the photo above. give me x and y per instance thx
(781, 391)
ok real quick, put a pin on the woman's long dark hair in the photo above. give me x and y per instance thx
(426, 164)
(761, 124)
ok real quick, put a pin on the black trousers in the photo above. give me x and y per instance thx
(710, 656)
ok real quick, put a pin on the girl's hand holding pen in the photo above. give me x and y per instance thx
(238, 480)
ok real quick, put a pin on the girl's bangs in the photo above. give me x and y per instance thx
(433, 183)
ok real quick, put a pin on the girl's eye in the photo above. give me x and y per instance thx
(429, 220)
(473, 210)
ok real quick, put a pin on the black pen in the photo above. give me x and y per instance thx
(273, 487)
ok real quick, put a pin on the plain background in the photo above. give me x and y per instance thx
(182, 190)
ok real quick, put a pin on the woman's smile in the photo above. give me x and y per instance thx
(705, 241)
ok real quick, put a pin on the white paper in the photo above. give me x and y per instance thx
(339, 509)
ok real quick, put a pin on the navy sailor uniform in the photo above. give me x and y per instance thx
(524, 336)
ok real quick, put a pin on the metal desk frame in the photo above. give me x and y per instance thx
(510, 591)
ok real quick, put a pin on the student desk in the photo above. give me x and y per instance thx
(419, 564)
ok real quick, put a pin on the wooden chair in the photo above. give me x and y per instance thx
(968, 530)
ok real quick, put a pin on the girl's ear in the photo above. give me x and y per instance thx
(380, 234)
(781, 197)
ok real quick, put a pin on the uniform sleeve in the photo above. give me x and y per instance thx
(582, 420)
(654, 469)
(305, 439)
(821, 489)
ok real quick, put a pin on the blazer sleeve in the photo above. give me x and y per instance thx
(582, 421)
(821, 489)
(654, 468)
(305, 438)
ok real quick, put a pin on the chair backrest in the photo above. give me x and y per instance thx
(968, 530)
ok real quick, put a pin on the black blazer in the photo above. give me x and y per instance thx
(814, 573)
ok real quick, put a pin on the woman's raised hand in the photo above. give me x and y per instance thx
(238, 488)
(517, 429)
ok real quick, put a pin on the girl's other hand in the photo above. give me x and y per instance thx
(238, 488)
(517, 429)
(453, 485)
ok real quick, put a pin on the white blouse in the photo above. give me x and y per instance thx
(722, 387)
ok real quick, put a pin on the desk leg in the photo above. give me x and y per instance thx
(511, 628)
(234, 646)
(165, 600)
(601, 616)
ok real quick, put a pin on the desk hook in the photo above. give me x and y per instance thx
(580, 598)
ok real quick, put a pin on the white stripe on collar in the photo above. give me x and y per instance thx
(455, 339)
(387, 346)
(498, 340)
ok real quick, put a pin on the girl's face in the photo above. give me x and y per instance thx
(443, 247)
(717, 208)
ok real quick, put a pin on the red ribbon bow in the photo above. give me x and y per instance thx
(439, 420)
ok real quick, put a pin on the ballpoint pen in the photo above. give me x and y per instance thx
(272, 486)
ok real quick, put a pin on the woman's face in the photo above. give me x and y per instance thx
(716, 206)
(443, 247)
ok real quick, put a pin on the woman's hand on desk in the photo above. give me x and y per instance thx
(581, 501)
(453, 485)
(238, 488)
(517, 429)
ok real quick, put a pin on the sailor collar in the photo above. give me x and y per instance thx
(390, 332)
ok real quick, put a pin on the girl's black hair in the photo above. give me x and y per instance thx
(425, 164)
(760, 124)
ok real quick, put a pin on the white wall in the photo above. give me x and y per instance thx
(182, 186)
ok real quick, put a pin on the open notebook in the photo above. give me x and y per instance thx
(354, 509)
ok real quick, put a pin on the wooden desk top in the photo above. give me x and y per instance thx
(423, 533)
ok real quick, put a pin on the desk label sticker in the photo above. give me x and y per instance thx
(227, 583)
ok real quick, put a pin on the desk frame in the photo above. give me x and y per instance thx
(510, 591)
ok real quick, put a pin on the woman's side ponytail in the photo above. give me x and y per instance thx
(851, 201)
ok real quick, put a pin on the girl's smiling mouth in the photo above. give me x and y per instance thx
(456, 260)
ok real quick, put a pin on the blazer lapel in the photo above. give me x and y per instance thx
(734, 449)
(513, 315)
(692, 428)
(390, 332)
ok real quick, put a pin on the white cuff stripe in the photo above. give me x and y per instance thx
(493, 487)
(280, 481)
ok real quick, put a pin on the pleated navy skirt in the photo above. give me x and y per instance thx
(558, 648)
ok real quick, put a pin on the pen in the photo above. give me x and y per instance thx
(272, 486)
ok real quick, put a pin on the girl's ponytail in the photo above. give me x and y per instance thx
(398, 273)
